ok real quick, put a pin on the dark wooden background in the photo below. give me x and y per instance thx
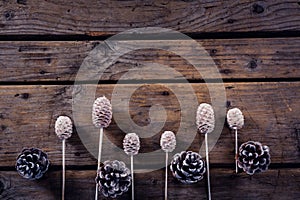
(255, 44)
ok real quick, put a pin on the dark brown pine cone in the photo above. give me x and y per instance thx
(253, 157)
(187, 167)
(113, 178)
(32, 163)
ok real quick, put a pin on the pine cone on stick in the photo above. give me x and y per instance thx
(168, 141)
(113, 178)
(63, 127)
(235, 118)
(32, 163)
(253, 157)
(205, 118)
(187, 167)
(102, 112)
(131, 144)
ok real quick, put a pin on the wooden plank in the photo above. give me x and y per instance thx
(273, 184)
(235, 58)
(28, 113)
(103, 18)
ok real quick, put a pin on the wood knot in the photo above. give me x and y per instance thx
(231, 21)
(9, 15)
(252, 64)
(213, 52)
(258, 9)
(225, 71)
(22, 2)
(165, 93)
(24, 95)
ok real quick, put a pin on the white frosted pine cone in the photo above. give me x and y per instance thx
(168, 141)
(205, 118)
(102, 112)
(131, 144)
(63, 127)
(235, 118)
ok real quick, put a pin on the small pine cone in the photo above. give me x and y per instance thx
(131, 144)
(102, 112)
(113, 178)
(187, 167)
(205, 118)
(253, 157)
(235, 118)
(32, 163)
(63, 127)
(168, 141)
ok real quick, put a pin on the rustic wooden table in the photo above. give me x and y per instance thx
(255, 45)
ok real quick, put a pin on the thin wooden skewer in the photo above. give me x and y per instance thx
(99, 159)
(64, 169)
(132, 188)
(236, 149)
(166, 178)
(207, 166)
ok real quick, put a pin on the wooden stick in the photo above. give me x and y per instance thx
(132, 187)
(64, 169)
(99, 159)
(166, 178)
(207, 167)
(236, 150)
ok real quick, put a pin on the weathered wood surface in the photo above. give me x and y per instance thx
(28, 113)
(235, 58)
(273, 184)
(102, 18)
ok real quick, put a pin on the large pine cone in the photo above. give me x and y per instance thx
(32, 163)
(102, 112)
(205, 118)
(168, 141)
(187, 167)
(131, 144)
(235, 118)
(113, 178)
(63, 127)
(253, 157)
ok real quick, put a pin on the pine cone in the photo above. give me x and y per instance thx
(205, 118)
(187, 167)
(63, 127)
(102, 112)
(113, 178)
(235, 118)
(32, 163)
(253, 157)
(168, 141)
(131, 144)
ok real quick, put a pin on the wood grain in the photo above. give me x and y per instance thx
(235, 58)
(104, 18)
(273, 184)
(28, 113)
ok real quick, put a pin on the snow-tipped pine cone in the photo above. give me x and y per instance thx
(32, 163)
(253, 157)
(131, 144)
(63, 127)
(205, 118)
(102, 112)
(168, 141)
(235, 118)
(113, 178)
(187, 167)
